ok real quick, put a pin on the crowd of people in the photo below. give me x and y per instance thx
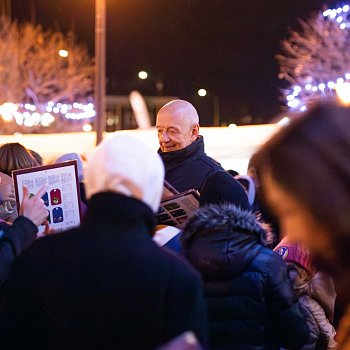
(261, 264)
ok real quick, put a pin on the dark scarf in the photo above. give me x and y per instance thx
(176, 158)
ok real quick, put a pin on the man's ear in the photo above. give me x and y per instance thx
(194, 132)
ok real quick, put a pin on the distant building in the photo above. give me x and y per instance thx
(119, 114)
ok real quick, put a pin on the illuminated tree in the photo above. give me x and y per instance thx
(316, 58)
(43, 72)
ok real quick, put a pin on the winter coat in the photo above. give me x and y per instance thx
(105, 285)
(322, 332)
(188, 168)
(250, 300)
(317, 298)
(14, 239)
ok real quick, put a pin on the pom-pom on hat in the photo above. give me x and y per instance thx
(294, 253)
(125, 165)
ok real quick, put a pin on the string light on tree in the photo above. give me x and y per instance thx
(316, 60)
(27, 114)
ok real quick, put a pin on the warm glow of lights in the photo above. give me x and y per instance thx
(63, 53)
(202, 92)
(29, 115)
(284, 121)
(7, 111)
(343, 93)
(87, 127)
(143, 75)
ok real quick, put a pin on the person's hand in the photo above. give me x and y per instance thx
(34, 208)
(48, 230)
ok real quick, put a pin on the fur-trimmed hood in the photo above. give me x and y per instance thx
(221, 240)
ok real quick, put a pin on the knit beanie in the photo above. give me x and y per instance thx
(294, 253)
(125, 165)
(73, 156)
(220, 188)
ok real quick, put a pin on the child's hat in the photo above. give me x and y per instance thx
(294, 253)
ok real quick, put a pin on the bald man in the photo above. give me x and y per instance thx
(182, 148)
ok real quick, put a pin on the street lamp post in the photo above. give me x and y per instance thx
(100, 68)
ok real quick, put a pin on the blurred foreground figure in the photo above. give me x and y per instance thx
(105, 285)
(182, 148)
(305, 175)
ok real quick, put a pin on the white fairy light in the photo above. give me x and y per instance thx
(28, 115)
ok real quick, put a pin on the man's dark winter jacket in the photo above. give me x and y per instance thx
(13, 240)
(250, 300)
(105, 285)
(189, 167)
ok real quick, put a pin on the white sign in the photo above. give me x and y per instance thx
(62, 196)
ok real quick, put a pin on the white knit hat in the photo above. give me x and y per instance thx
(125, 165)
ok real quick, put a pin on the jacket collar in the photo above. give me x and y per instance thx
(221, 241)
(227, 216)
(174, 158)
(108, 208)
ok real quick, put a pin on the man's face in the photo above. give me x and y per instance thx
(174, 132)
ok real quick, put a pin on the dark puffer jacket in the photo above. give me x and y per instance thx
(250, 300)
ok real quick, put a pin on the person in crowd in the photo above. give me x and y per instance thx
(37, 157)
(305, 175)
(315, 291)
(257, 204)
(16, 237)
(14, 156)
(250, 299)
(7, 191)
(105, 284)
(8, 210)
(182, 148)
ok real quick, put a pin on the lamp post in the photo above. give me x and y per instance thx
(100, 68)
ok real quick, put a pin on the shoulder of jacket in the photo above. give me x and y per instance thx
(270, 263)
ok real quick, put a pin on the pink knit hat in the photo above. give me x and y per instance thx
(294, 253)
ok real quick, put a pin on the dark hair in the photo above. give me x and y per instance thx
(310, 159)
(37, 157)
(14, 156)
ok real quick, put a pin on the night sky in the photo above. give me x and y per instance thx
(225, 46)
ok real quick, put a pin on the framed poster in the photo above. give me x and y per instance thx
(174, 211)
(168, 190)
(62, 197)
